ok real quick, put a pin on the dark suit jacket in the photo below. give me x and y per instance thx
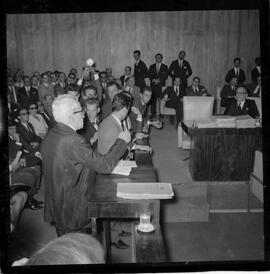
(241, 77)
(249, 108)
(251, 88)
(190, 91)
(162, 75)
(135, 124)
(48, 119)
(58, 89)
(254, 74)
(140, 72)
(174, 100)
(122, 78)
(69, 169)
(184, 72)
(225, 94)
(24, 99)
(88, 129)
(26, 137)
(106, 108)
(16, 89)
(13, 111)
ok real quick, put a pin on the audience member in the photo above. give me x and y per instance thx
(48, 99)
(12, 109)
(69, 166)
(73, 90)
(181, 68)
(237, 72)
(37, 121)
(255, 88)
(174, 99)
(12, 90)
(34, 82)
(257, 70)
(59, 88)
(228, 93)
(158, 74)
(46, 88)
(46, 116)
(109, 74)
(103, 80)
(124, 77)
(242, 106)
(91, 121)
(72, 80)
(37, 74)
(196, 89)
(131, 88)
(71, 248)
(27, 93)
(88, 92)
(19, 79)
(54, 79)
(140, 70)
(111, 126)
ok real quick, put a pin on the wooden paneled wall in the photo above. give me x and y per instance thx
(211, 40)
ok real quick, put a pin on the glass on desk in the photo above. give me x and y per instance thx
(257, 121)
(145, 218)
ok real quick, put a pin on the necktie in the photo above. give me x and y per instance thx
(237, 72)
(131, 89)
(158, 67)
(181, 62)
(29, 129)
(122, 125)
(239, 107)
(177, 91)
(27, 91)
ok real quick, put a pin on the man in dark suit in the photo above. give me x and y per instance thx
(228, 93)
(257, 70)
(59, 88)
(91, 121)
(255, 88)
(242, 106)
(12, 90)
(46, 116)
(140, 70)
(13, 109)
(30, 141)
(158, 74)
(174, 98)
(70, 166)
(127, 74)
(196, 89)
(131, 87)
(27, 93)
(236, 71)
(181, 68)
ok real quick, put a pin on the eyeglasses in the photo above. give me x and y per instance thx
(78, 111)
(24, 113)
(73, 78)
(33, 108)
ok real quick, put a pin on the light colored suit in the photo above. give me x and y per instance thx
(108, 133)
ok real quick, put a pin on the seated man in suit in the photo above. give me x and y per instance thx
(46, 116)
(91, 121)
(158, 74)
(196, 89)
(27, 93)
(257, 70)
(30, 141)
(103, 80)
(228, 93)
(131, 88)
(255, 88)
(174, 99)
(109, 74)
(237, 72)
(242, 106)
(112, 125)
(59, 88)
(112, 90)
(124, 77)
(139, 122)
(12, 90)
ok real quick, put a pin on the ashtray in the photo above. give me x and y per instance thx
(146, 228)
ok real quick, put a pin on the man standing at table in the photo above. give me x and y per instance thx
(70, 166)
(180, 68)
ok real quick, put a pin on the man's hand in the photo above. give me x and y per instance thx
(16, 136)
(140, 135)
(143, 147)
(94, 138)
(38, 155)
(136, 110)
(156, 124)
(34, 144)
(165, 98)
(125, 135)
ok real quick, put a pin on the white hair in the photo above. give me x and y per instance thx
(63, 106)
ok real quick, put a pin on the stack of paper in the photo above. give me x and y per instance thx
(226, 121)
(124, 167)
(245, 121)
(206, 123)
(144, 190)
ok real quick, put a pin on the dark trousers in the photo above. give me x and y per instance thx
(178, 106)
(156, 94)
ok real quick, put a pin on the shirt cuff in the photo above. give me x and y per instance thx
(96, 77)
(139, 118)
(18, 143)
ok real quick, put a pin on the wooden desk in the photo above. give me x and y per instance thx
(222, 154)
(104, 204)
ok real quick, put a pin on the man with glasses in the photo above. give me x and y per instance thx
(196, 89)
(70, 166)
(242, 106)
(59, 88)
(46, 116)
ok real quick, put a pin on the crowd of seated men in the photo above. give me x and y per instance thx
(111, 104)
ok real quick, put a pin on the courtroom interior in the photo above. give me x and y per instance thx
(135, 137)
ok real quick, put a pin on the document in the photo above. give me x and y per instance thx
(144, 190)
(245, 121)
(124, 167)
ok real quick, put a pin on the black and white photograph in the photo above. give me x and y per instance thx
(135, 137)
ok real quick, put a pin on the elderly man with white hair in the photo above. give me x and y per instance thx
(70, 166)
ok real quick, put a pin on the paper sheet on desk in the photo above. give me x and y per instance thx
(144, 190)
(124, 167)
